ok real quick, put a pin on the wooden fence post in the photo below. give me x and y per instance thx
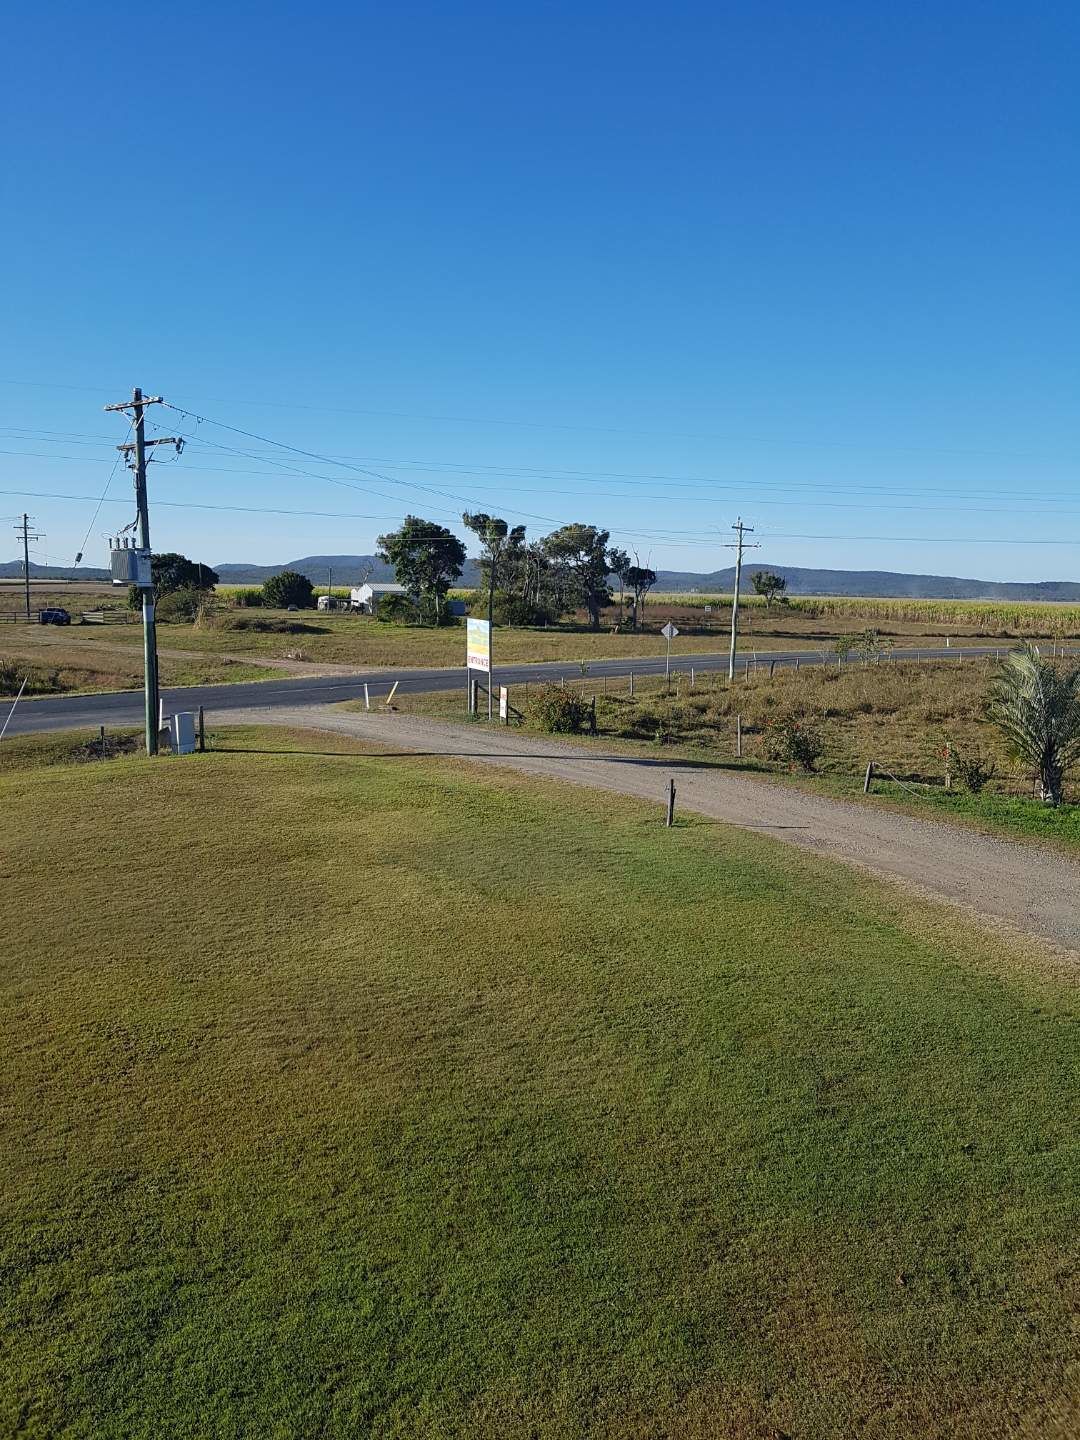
(869, 778)
(738, 737)
(671, 803)
(202, 730)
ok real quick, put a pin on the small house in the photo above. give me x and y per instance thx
(366, 597)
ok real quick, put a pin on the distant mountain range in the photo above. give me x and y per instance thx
(354, 569)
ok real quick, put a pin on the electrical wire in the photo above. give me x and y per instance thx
(97, 509)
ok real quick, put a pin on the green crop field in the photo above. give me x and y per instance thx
(367, 1096)
(990, 618)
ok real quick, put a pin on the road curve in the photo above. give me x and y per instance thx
(1029, 888)
(125, 707)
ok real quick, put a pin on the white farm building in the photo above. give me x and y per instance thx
(366, 597)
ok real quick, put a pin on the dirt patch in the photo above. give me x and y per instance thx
(114, 747)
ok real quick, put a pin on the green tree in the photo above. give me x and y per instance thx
(499, 542)
(288, 588)
(583, 550)
(872, 645)
(427, 559)
(769, 586)
(170, 572)
(1035, 703)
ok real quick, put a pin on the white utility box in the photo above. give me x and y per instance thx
(183, 732)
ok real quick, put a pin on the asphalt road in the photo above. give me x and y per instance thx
(125, 707)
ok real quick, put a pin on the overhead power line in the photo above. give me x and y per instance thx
(772, 441)
(493, 474)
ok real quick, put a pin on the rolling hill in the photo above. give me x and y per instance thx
(354, 569)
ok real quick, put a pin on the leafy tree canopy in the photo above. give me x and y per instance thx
(427, 559)
(769, 585)
(583, 549)
(288, 588)
(170, 572)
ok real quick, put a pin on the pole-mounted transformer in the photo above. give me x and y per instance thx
(129, 564)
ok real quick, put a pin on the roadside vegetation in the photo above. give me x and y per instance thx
(927, 727)
(388, 1129)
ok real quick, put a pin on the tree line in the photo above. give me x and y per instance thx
(526, 582)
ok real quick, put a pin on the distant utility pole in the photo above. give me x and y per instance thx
(738, 546)
(27, 536)
(136, 453)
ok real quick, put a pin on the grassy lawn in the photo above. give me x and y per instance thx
(397, 1099)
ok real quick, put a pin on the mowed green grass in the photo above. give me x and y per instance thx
(349, 1096)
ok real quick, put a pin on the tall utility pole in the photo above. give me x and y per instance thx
(24, 530)
(738, 546)
(136, 453)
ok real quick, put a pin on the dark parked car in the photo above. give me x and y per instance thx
(57, 616)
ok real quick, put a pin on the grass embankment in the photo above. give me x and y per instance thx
(382, 1127)
(64, 670)
(900, 714)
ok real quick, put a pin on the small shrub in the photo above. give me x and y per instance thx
(973, 769)
(270, 625)
(396, 610)
(793, 740)
(180, 607)
(872, 645)
(558, 710)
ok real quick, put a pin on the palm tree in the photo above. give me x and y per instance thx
(1036, 705)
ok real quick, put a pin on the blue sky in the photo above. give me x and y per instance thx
(646, 267)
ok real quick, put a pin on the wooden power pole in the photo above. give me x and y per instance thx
(23, 529)
(136, 459)
(738, 546)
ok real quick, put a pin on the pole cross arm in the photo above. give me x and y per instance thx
(130, 404)
(177, 440)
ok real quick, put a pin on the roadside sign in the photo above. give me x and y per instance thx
(668, 632)
(504, 703)
(708, 609)
(478, 645)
